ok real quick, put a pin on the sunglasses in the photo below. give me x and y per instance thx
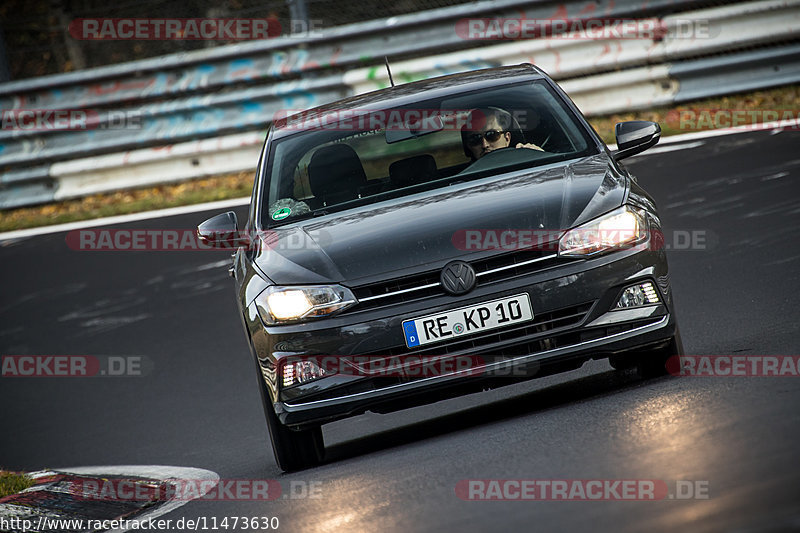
(491, 136)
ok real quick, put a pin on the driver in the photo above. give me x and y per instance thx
(488, 129)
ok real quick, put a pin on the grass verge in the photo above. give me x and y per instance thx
(710, 113)
(131, 201)
(693, 116)
(12, 483)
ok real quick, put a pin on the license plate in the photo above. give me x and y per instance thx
(467, 320)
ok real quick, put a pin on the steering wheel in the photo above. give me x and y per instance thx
(504, 157)
(544, 142)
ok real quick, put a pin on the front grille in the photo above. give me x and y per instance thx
(490, 270)
(507, 266)
(398, 290)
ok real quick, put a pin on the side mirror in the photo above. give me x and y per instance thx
(635, 136)
(221, 231)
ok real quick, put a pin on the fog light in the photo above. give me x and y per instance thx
(296, 372)
(638, 295)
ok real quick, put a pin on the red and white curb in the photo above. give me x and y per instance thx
(206, 481)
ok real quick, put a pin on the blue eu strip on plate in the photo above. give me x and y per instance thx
(412, 339)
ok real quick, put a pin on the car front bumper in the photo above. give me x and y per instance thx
(573, 322)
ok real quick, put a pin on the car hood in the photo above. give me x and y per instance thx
(422, 231)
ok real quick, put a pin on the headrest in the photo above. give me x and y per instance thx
(413, 170)
(335, 172)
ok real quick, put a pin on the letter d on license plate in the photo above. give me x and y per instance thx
(467, 320)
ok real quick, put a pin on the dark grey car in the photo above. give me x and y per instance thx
(440, 238)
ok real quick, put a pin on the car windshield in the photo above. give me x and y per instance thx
(352, 157)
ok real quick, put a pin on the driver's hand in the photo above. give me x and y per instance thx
(529, 145)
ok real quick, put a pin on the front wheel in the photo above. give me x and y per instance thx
(651, 363)
(294, 449)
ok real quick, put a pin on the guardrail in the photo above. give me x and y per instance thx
(211, 93)
(727, 28)
(230, 93)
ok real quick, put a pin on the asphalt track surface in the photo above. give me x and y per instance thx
(199, 405)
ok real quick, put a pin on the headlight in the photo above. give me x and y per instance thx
(278, 305)
(623, 227)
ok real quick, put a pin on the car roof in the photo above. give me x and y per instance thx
(408, 93)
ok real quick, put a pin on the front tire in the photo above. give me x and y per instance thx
(294, 449)
(651, 363)
(654, 364)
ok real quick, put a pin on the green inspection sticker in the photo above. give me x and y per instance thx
(282, 213)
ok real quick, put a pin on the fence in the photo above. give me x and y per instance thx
(205, 112)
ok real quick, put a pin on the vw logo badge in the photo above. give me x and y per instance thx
(457, 278)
